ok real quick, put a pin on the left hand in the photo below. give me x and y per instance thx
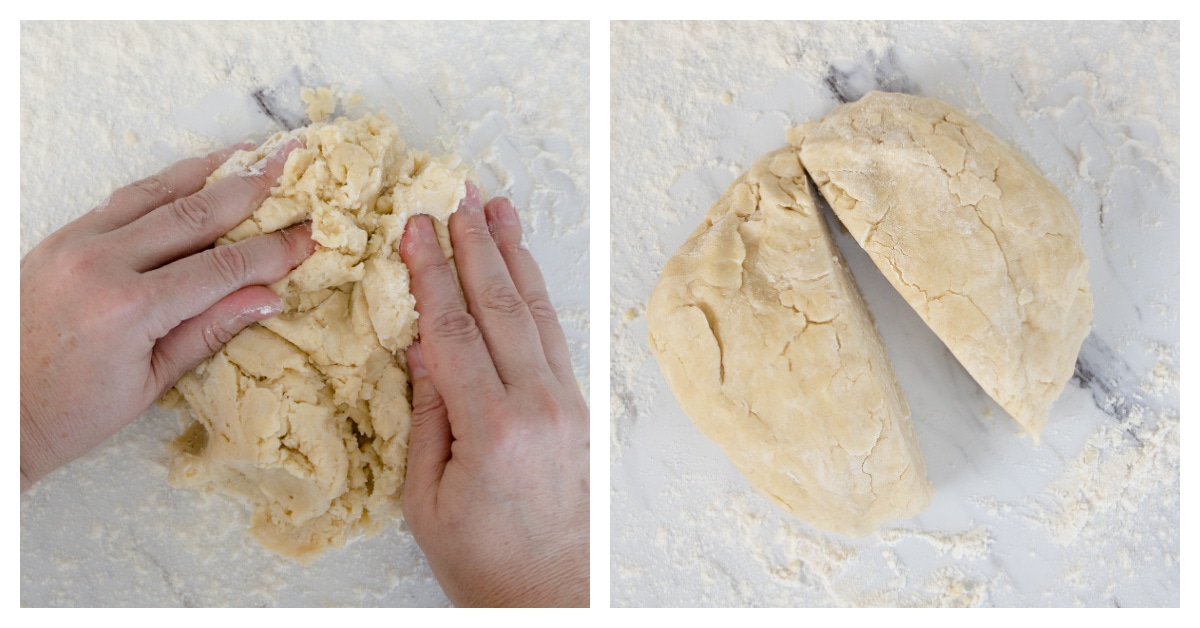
(119, 304)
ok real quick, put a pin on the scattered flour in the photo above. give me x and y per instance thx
(1091, 517)
(122, 101)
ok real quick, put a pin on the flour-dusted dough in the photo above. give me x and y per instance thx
(307, 413)
(984, 248)
(767, 343)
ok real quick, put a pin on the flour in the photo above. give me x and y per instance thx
(973, 543)
(124, 100)
(1090, 517)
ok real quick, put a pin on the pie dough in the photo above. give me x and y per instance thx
(768, 346)
(977, 241)
(306, 414)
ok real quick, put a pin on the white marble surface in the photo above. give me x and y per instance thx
(1089, 517)
(105, 103)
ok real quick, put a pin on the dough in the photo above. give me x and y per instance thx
(977, 241)
(768, 346)
(307, 414)
(319, 102)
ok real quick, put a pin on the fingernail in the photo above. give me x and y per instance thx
(279, 155)
(416, 361)
(303, 232)
(471, 202)
(506, 214)
(417, 230)
(425, 229)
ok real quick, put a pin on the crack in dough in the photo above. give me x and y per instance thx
(306, 414)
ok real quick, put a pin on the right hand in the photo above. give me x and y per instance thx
(497, 492)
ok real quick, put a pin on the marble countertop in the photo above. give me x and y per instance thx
(1089, 517)
(103, 104)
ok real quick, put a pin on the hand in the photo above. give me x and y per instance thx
(119, 304)
(497, 486)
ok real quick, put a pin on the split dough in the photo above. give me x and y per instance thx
(767, 343)
(306, 414)
(977, 241)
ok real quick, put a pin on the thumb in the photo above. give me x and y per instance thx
(204, 334)
(428, 442)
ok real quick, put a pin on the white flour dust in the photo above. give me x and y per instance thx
(106, 103)
(1090, 517)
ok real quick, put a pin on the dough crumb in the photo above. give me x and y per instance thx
(306, 414)
(320, 103)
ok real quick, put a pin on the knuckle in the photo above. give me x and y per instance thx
(426, 408)
(229, 263)
(453, 325)
(433, 265)
(261, 180)
(195, 213)
(510, 245)
(59, 242)
(542, 310)
(475, 235)
(506, 435)
(502, 298)
(115, 307)
(75, 263)
(214, 336)
(549, 407)
(152, 187)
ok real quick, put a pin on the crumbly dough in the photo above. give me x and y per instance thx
(977, 241)
(768, 346)
(319, 103)
(307, 414)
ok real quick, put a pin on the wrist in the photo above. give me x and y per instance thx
(37, 459)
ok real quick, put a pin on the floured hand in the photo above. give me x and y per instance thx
(497, 486)
(120, 303)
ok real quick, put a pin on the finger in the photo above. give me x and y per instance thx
(505, 226)
(180, 179)
(192, 223)
(428, 442)
(455, 354)
(193, 284)
(493, 300)
(203, 335)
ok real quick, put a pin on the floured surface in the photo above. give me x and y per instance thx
(127, 99)
(1089, 517)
